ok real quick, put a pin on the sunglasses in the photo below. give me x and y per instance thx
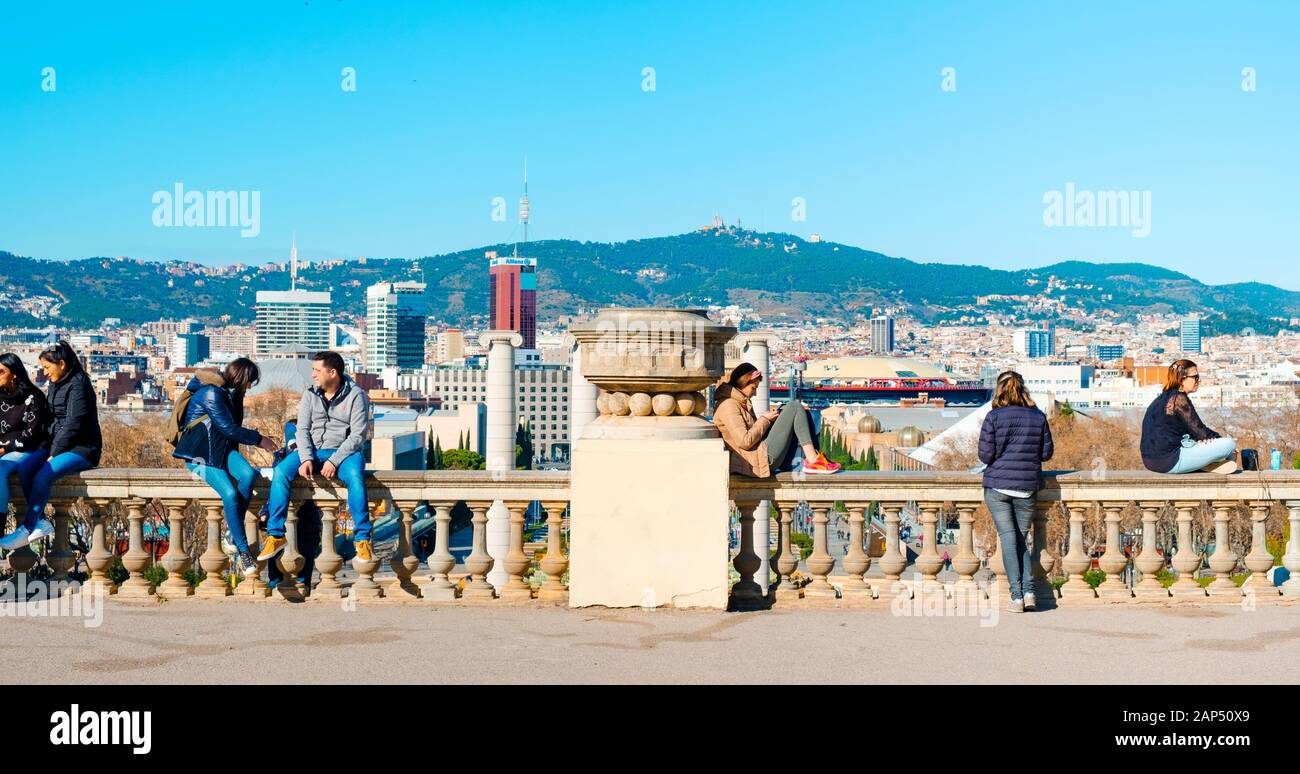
(1197, 377)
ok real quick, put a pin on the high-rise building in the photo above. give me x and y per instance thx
(1033, 342)
(1190, 335)
(451, 345)
(190, 349)
(882, 335)
(1105, 352)
(395, 315)
(512, 296)
(292, 317)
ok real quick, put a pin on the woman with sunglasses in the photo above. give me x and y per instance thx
(763, 445)
(1174, 440)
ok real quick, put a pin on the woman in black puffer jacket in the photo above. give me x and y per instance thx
(1015, 441)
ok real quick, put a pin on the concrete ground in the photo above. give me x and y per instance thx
(203, 641)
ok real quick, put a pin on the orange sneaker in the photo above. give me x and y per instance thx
(821, 466)
(363, 551)
(271, 547)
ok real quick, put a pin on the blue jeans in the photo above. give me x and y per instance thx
(1013, 517)
(43, 478)
(1197, 454)
(234, 486)
(352, 472)
(25, 464)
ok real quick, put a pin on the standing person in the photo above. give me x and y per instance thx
(333, 424)
(24, 427)
(1174, 440)
(761, 446)
(1015, 441)
(75, 440)
(210, 434)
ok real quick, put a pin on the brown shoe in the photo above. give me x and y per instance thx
(363, 551)
(271, 547)
(1222, 468)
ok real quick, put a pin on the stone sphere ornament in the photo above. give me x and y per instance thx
(663, 404)
(602, 402)
(618, 404)
(685, 403)
(640, 405)
(701, 404)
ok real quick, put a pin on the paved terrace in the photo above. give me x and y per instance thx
(203, 641)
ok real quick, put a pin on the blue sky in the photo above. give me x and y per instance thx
(754, 104)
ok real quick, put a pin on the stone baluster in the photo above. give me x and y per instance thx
(60, 557)
(100, 556)
(929, 562)
(441, 561)
(997, 566)
(329, 562)
(1186, 560)
(1041, 560)
(1076, 561)
(1113, 560)
(177, 558)
(893, 561)
(254, 587)
(1291, 559)
(1223, 561)
(746, 591)
(1258, 560)
(516, 562)
(21, 560)
(966, 563)
(213, 560)
(364, 587)
(136, 559)
(555, 562)
(787, 558)
(479, 562)
(857, 561)
(291, 560)
(404, 562)
(1150, 562)
(820, 562)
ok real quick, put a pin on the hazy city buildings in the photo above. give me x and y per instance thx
(287, 317)
(512, 296)
(882, 335)
(1189, 333)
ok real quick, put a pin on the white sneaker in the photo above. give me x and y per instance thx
(44, 528)
(1030, 602)
(16, 539)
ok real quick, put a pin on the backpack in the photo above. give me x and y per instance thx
(174, 427)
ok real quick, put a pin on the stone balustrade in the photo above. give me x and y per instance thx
(174, 490)
(929, 492)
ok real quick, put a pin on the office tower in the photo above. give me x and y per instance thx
(882, 335)
(1033, 342)
(395, 314)
(190, 349)
(451, 345)
(1190, 335)
(292, 317)
(512, 296)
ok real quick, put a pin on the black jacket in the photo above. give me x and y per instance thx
(1015, 441)
(24, 421)
(222, 428)
(1169, 417)
(75, 418)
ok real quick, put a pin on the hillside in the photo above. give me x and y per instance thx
(771, 272)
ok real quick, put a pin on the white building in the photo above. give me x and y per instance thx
(286, 317)
(395, 314)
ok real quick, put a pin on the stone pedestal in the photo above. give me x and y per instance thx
(649, 523)
(649, 487)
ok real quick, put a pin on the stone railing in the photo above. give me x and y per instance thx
(931, 491)
(174, 490)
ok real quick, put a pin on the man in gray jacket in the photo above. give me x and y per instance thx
(333, 425)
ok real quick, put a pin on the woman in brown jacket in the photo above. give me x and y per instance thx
(761, 446)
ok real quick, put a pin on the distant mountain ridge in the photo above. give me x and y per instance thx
(774, 273)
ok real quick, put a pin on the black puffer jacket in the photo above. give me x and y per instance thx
(1015, 441)
(24, 420)
(75, 425)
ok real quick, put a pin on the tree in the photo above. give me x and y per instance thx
(523, 447)
(462, 459)
(435, 461)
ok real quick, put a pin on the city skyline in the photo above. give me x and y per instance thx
(846, 132)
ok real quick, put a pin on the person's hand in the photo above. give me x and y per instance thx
(267, 444)
(772, 413)
(328, 470)
(305, 470)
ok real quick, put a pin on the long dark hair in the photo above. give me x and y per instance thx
(14, 365)
(241, 374)
(63, 354)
